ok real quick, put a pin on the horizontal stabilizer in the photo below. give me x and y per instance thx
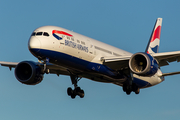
(168, 74)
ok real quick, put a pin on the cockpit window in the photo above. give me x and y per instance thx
(33, 34)
(45, 34)
(39, 33)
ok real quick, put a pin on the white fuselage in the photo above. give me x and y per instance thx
(81, 54)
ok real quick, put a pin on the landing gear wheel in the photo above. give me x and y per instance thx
(69, 91)
(128, 92)
(81, 94)
(73, 95)
(124, 87)
(77, 91)
(137, 91)
(135, 88)
(127, 89)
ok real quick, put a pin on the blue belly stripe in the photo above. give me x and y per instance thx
(70, 61)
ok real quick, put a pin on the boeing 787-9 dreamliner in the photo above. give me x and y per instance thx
(63, 52)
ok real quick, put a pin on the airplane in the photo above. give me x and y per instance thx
(63, 52)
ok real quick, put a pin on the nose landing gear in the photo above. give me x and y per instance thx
(77, 90)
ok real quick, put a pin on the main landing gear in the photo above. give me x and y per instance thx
(129, 86)
(77, 90)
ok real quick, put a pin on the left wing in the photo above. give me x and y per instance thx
(54, 69)
(9, 64)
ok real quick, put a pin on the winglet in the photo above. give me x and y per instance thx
(153, 44)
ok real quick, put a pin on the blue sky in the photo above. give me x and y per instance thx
(126, 24)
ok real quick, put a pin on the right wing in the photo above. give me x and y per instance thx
(117, 63)
(167, 57)
(122, 62)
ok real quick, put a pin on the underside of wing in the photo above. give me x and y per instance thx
(59, 70)
(117, 63)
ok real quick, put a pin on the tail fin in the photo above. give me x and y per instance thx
(153, 44)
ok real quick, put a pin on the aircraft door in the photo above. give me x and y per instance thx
(59, 44)
(90, 47)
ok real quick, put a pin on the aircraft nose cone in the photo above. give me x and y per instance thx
(34, 44)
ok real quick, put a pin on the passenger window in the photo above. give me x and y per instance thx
(82, 42)
(39, 33)
(45, 34)
(68, 38)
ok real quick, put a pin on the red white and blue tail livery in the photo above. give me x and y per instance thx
(63, 52)
(153, 45)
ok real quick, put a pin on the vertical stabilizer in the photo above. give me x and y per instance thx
(153, 44)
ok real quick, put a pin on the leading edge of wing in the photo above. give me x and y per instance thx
(8, 64)
(54, 69)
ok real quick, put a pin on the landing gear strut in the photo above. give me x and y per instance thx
(45, 69)
(77, 90)
(129, 86)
